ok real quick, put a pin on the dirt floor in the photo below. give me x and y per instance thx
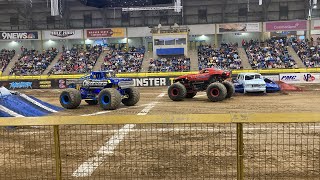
(167, 151)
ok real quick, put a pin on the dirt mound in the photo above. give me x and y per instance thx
(287, 87)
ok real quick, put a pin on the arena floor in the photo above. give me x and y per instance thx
(166, 151)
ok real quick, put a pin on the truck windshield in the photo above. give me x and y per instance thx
(250, 77)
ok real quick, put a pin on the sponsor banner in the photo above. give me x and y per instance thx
(14, 85)
(105, 33)
(298, 78)
(19, 35)
(151, 82)
(286, 26)
(45, 84)
(316, 24)
(238, 27)
(62, 34)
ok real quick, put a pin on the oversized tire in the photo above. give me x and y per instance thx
(177, 92)
(92, 102)
(109, 99)
(191, 95)
(230, 88)
(216, 92)
(134, 97)
(70, 98)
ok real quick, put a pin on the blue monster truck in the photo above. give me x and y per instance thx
(101, 87)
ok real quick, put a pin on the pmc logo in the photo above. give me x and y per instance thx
(309, 77)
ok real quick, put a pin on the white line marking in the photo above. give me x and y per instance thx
(105, 112)
(37, 103)
(88, 167)
(10, 112)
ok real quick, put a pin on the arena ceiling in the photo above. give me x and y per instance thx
(35, 14)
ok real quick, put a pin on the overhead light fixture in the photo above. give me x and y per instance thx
(314, 6)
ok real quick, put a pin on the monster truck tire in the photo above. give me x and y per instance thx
(191, 95)
(109, 99)
(230, 88)
(216, 92)
(70, 98)
(134, 97)
(177, 92)
(91, 102)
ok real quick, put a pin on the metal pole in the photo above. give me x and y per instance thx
(56, 136)
(240, 166)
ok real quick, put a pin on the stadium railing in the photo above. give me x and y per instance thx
(190, 146)
(161, 74)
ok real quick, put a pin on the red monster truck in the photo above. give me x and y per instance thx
(210, 80)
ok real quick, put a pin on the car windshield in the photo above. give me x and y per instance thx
(250, 77)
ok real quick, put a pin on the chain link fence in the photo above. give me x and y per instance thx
(162, 151)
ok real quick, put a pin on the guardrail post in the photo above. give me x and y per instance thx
(240, 165)
(56, 136)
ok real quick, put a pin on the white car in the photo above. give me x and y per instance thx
(250, 82)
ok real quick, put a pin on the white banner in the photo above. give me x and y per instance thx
(62, 34)
(238, 27)
(292, 78)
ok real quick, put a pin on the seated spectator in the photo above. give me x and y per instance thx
(310, 55)
(5, 58)
(169, 64)
(225, 57)
(77, 61)
(32, 62)
(274, 55)
(120, 61)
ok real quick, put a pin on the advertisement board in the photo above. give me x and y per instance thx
(286, 26)
(238, 27)
(105, 33)
(62, 34)
(19, 35)
(298, 78)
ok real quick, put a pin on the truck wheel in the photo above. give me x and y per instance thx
(230, 88)
(91, 102)
(177, 92)
(134, 97)
(109, 99)
(70, 98)
(216, 92)
(191, 95)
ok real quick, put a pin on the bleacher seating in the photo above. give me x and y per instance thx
(273, 55)
(169, 64)
(77, 61)
(310, 55)
(32, 62)
(224, 57)
(121, 61)
(5, 58)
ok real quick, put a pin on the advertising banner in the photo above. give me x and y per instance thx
(316, 24)
(298, 78)
(238, 27)
(286, 26)
(105, 33)
(19, 35)
(62, 34)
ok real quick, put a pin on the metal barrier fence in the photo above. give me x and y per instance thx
(222, 146)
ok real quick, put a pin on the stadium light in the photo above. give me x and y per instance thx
(260, 2)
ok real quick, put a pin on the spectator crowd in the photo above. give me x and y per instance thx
(224, 57)
(121, 61)
(169, 64)
(309, 54)
(33, 62)
(77, 61)
(5, 58)
(273, 55)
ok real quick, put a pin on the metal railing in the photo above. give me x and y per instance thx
(193, 146)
